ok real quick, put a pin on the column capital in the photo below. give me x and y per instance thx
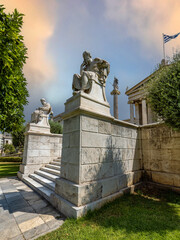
(131, 102)
(115, 92)
(136, 102)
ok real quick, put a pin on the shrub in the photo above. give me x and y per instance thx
(9, 148)
(10, 159)
(55, 127)
(18, 137)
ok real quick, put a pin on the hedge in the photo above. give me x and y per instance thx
(10, 159)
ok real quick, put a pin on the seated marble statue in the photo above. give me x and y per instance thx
(90, 70)
(41, 114)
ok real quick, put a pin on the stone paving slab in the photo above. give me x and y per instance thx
(23, 213)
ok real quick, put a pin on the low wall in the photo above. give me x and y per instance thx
(161, 154)
(39, 150)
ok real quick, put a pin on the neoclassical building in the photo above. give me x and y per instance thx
(5, 138)
(140, 111)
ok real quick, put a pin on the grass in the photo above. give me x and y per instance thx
(8, 169)
(146, 215)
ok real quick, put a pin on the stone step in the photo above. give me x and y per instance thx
(52, 171)
(52, 166)
(39, 188)
(44, 181)
(56, 163)
(57, 160)
(49, 176)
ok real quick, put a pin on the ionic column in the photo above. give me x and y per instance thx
(144, 112)
(137, 112)
(131, 112)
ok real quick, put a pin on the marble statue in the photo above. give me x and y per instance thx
(115, 84)
(91, 70)
(40, 115)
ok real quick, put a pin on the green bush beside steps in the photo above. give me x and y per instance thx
(10, 159)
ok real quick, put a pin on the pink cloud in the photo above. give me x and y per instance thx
(38, 28)
(146, 21)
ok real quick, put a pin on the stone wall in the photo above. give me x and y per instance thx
(99, 158)
(110, 153)
(39, 150)
(161, 154)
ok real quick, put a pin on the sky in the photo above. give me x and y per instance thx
(126, 33)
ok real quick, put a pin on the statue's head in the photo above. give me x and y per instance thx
(43, 100)
(87, 57)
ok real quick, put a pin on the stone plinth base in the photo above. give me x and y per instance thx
(86, 102)
(70, 210)
(33, 127)
(169, 179)
(39, 149)
(81, 194)
(74, 200)
(100, 156)
(162, 186)
(26, 169)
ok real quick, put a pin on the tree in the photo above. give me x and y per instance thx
(9, 148)
(55, 127)
(13, 90)
(18, 137)
(164, 93)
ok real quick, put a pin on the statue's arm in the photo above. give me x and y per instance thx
(45, 107)
(82, 67)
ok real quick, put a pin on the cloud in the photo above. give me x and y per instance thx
(38, 28)
(145, 21)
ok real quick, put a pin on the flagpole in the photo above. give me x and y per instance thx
(163, 47)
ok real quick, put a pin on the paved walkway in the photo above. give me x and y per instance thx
(23, 213)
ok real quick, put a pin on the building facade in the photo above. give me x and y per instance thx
(140, 110)
(5, 138)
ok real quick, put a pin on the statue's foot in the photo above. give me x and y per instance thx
(76, 92)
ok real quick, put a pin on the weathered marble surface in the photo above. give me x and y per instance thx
(100, 156)
(39, 149)
(161, 154)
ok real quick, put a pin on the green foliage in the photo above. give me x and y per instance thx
(9, 148)
(18, 137)
(131, 217)
(10, 159)
(13, 91)
(9, 169)
(55, 127)
(164, 93)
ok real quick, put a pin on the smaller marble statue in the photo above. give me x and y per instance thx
(40, 115)
(115, 84)
(91, 70)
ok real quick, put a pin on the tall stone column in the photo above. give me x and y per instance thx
(131, 112)
(144, 112)
(137, 112)
(115, 92)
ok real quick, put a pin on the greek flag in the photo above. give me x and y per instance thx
(167, 38)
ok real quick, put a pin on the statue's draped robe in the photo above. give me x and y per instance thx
(97, 70)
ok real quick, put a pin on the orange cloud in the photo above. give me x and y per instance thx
(38, 28)
(146, 21)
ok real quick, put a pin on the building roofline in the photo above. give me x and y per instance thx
(129, 91)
